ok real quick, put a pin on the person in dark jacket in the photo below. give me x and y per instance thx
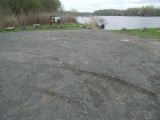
(102, 26)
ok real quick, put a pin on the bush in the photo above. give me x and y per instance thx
(124, 29)
(7, 18)
(144, 29)
(68, 19)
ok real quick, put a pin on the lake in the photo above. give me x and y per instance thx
(119, 22)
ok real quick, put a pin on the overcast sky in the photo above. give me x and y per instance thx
(91, 5)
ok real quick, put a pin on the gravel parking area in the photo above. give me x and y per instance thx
(78, 75)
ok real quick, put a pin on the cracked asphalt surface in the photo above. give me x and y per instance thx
(78, 75)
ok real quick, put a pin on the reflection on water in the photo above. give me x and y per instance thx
(119, 22)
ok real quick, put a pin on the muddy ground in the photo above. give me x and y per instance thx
(78, 75)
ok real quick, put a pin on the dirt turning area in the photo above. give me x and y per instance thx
(78, 75)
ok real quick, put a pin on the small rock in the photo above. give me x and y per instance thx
(89, 27)
(67, 100)
(36, 25)
(10, 28)
(125, 40)
(70, 62)
(59, 62)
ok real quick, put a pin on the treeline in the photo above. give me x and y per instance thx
(26, 6)
(143, 11)
(21, 13)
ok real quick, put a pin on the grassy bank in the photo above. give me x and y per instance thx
(26, 22)
(149, 32)
(65, 26)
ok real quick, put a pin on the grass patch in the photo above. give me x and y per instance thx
(148, 33)
(66, 26)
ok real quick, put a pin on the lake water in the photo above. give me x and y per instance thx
(119, 22)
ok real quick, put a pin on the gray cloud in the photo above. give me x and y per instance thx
(91, 5)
